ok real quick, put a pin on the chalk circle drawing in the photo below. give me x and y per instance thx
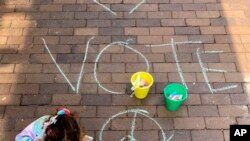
(77, 87)
(131, 136)
(114, 13)
(123, 44)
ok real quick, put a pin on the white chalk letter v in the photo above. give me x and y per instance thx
(74, 88)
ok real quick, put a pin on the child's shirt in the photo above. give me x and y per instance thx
(34, 131)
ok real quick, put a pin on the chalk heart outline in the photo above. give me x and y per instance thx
(114, 13)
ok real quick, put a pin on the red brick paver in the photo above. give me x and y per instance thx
(31, 85)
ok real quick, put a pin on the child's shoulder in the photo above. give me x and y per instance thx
(41, 120)
(38, 125)
(33, 130)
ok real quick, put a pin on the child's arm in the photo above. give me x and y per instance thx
(31, 132)
(24, 139)
(26, 134)
(87, 138)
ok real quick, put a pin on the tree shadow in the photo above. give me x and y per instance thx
(16, 47)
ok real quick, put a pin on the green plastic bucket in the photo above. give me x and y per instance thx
(171, 104)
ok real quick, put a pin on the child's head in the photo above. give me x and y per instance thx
(62, 127)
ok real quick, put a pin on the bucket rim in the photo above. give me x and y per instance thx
(151, 77)
(186, 93)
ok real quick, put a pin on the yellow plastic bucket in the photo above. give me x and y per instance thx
(141, 83)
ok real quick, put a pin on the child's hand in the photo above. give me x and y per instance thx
(87, 138)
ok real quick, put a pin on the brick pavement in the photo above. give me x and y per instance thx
(31, 85)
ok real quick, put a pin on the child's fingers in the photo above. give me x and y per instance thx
(87, 138)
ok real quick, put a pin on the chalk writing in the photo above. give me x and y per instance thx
(82, 68)
(58, 67)
(205, 70)
(123, 44)
(105, 7)
(212, 51)
(131, 136)
(76, 89)
(136, 7)
(177, 43)
(114, 13)
(177, 63)
(173, 45)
